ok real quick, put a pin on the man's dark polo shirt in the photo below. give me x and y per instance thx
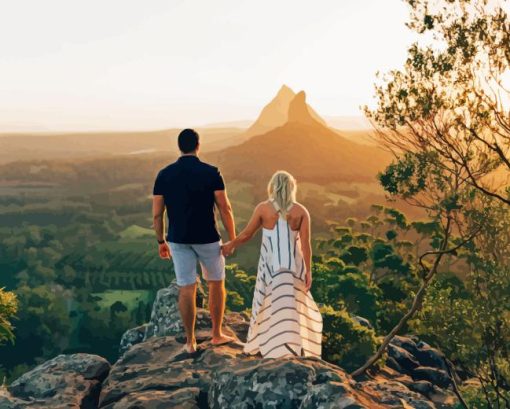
(188, 187)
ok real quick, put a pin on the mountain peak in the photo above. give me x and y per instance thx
(285, 92)
(277, 112)
(301, 112)
(273, 114)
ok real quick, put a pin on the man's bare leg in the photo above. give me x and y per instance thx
(187, 308)
(216, 301)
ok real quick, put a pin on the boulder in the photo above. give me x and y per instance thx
(406, 343)
(185, 398)
(404, 359)
(161, 364)
(132, 337)
(430, 357)
(165, 318)
(72, 381)
(421, 353)
(395, 394)
(435, 394)
(436, 376)
(154, 371)
(222, 376)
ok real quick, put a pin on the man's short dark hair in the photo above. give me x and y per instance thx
(188, 140)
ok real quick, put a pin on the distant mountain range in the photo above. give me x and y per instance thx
(294, 137)
(287, 134)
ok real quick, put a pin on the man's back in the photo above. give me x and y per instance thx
(188, 187)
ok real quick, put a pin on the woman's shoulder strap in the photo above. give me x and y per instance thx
(273, 202)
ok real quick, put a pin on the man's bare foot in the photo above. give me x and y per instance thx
(191, 347)
(222, 339)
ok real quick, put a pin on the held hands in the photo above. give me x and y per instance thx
(164, 251)
(227, 249)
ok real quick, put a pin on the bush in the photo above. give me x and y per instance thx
(345, 342)
(8, 309)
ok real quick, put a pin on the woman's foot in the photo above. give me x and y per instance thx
(222, 339)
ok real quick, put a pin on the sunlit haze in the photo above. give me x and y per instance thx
(157, 64)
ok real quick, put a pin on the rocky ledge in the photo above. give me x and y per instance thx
(153, 372)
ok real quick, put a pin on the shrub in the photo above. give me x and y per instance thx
(8, 308)
(345, 342)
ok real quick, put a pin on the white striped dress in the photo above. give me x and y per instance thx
(285, 320)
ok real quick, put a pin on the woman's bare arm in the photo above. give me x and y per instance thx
(306, 246)
(247, 233)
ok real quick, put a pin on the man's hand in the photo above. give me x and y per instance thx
(308, 280)
(164, 251)
(227, 249)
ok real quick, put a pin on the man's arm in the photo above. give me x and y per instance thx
(226, 213)
(158, 211)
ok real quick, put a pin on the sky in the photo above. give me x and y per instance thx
(124, 64)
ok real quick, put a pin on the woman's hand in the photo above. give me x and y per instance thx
(308, 280)
(228, 248)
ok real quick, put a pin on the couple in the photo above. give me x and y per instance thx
(284, 319)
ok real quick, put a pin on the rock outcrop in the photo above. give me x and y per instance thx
(66, 381)
(154, 371)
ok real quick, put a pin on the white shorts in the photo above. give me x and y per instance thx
(186, 256)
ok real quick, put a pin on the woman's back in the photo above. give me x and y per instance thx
(270, 213)
(285, 318)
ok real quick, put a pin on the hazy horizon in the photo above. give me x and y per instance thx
(127, 66)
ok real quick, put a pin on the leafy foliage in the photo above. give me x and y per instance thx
(346, 342)
(8, 309)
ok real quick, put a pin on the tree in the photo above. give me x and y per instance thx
(8, 309)
(470, 319)
(444, 124)
(451, 95)
(42, 329)
(420, 179)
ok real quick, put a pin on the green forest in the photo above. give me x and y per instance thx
(79, 263)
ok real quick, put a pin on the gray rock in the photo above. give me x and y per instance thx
(132, 337)
(431, 357)
(166, 320)
(405, 360)
(332, 395)
(439, 396)
(223, 376)
(397, 395)
(161, 364)
(155, 372)
(185, 398)
(405, 342)
(393, 364)
(64, 381)
(286, 383)
(436, 376)
(7, 401)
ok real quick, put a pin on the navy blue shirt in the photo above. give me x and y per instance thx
(188, 187)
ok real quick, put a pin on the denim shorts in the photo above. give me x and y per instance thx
(186, 256)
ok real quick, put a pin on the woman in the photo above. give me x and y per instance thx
(285, 319)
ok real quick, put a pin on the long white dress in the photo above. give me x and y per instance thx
(285, 319)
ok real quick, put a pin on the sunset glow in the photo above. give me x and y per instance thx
(147, 65)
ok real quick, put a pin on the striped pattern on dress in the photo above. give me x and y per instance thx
(285, 319)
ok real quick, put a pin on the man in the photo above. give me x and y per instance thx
(189, 189)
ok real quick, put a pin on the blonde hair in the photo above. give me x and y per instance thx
(282, 189)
